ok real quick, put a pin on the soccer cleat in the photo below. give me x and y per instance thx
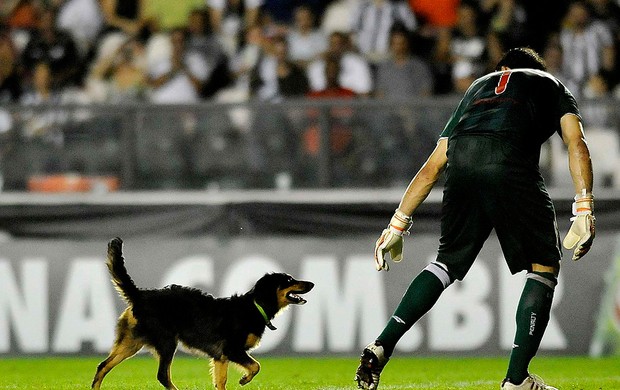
(372, 362)
(532, 382)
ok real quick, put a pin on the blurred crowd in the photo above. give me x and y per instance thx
(160, 51)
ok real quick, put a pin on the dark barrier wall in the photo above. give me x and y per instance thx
(196, 214)
(56, 298)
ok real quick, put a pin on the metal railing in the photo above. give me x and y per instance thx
(293, 144)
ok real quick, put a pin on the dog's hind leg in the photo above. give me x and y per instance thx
(249, 364)
(125, 346)
(219, 372)
(165, 355)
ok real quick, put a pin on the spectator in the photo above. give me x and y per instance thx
(201, 42)
(468, 44)
(463, 75)
(403, 76)
(372, 22)
(282, 12)
(43, 124)
(243, 63)
(271, 144)
(553, 57)
(355, 72)
(82, 19)
(21, 14)
(306, 43)
(10, 87)
(608, 12)
(126, 16)
(56, 48)
(587, 45)
(507, 19)
(435, 14)
(121, 76)
(464, 48)
(179, 78)
(337, 16)
(276, 76)
(229, 18)
(333, 88)
(340, 121)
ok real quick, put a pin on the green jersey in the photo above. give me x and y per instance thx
(521, 108)
(493, 179)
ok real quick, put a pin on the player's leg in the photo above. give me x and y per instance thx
(421, 295)
(527, 230)
(462, 237)
(532, 317)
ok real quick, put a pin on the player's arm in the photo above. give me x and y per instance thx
(391, 239)
(424, 181)
(581, 233)
(579, 162)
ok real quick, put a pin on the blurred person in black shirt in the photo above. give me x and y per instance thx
(10, 88)
(55, 47)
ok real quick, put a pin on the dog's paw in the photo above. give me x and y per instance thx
(246, 379)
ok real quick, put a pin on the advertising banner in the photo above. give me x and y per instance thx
(56, 296)
(606, 340)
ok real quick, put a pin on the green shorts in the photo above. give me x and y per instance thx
(489, 193)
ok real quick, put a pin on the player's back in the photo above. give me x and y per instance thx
(515, 110)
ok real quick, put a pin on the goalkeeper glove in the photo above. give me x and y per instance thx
(391, 240)
(582, 231)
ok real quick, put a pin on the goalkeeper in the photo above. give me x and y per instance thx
(489, 151)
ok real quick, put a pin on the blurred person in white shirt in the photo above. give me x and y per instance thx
(355, 72)
(305, 42)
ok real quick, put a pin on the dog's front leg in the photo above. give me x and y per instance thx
(220, 372)
(251, 366)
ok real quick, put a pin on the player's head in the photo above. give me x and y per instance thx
(522, 57)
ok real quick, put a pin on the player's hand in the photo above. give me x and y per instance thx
(391, 240)
(582, 231)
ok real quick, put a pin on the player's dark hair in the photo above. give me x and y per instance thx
(522, 57)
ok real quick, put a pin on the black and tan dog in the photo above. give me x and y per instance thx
(223, 328)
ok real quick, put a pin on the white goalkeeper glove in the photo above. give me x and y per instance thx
(581, 233)
(391, 240)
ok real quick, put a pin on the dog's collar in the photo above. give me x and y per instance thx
(262, 312)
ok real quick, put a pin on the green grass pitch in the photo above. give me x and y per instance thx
(566, 373)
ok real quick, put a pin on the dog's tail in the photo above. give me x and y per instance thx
(121, 279)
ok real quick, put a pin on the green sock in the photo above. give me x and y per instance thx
(532, 317)
(421, 295)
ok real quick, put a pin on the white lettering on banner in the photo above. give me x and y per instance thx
(347, 308)
(86, 311)
(25, 312)
(462, 319)
(240, 277)
(340, 305)
(194, 271)
(510, 288)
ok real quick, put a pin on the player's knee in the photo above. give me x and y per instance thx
(441, 271)
(547, 278)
